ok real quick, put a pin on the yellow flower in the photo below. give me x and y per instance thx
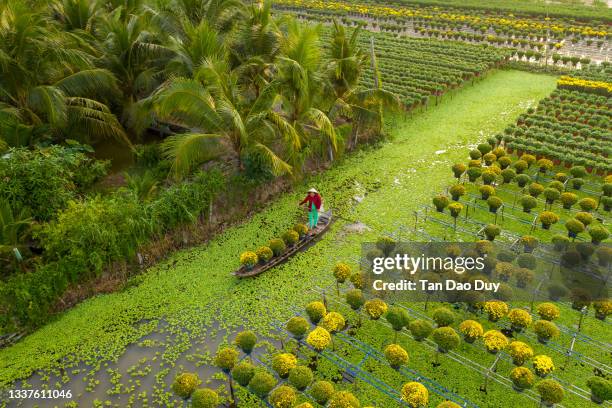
(494, 341)
(415, 394)
(543, 365)
(319, 338)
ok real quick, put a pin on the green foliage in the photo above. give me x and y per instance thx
(283, 397)
(355, 298)
(277, 246)
(441, 202)
(291, 237)
(446, 338)
(535, 189)
(322, 391)
(316, 311)
(546, 329)
(246, 341)
(528, 203)
(420, 329)
(443, 316)
(205, 398)
(226, 358)
(262, 383)
(598, 233)
(185, 384)
(45, 180)
(297, 326)
(396, 355)
(601, 388)
(550, 391)
(301, 377)
(397, 317)
(243, 372)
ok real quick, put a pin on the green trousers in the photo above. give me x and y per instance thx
(313, 217)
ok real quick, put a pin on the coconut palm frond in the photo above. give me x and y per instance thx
(188, 150)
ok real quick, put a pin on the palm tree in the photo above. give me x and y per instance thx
(303, 85)
(221, 117)
(362, 105)
(49, 86)
(15, 227)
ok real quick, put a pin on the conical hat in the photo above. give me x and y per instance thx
(312, 190)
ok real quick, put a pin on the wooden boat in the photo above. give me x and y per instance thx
(325, 219)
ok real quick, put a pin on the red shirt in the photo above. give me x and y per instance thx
(316, 200)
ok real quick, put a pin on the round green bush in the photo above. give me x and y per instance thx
(578, 172)
(283, 396)
(458, 169)
(548, 218)
(545, 329)
(185, 384)
(315, 311)
(474, 173)
(420, 329)
(560, 242)
(607, 189)
(488, 177)
(386, 244)
(574, 226)
(290, 237)
(550, 391)
(456, 191)
(246, 341)
(522, 377)
(301, 377)
(587, 204)
(606, 202)
(441, 202)
(297, 326)
(544, 165)
(355, 298)
(520, 166)
(344, 399)
(475, 154)
(494, 203)
(446, 338)
(557, 185)
(322, 391)
(528, 203)
(486, 191)
(205, 398)
(577, 183)
(568, 200)
(397, 317)
(277, 246)
(506, 256)
(443, 316)
(455, 209)
(508, 175)
(262, 383)
(484, 148)
(491, 231)
(551, 195)
(601, 389)
(584, 217)
(561, 177)
(535, 189)
(522, 180)
(598, 234)
(243, 372)
(489, 158)
(301, 229)
(226, 358)
(396, 355)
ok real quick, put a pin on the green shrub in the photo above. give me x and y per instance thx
(246, 341)
(577, 183)
(607, 203)
(544, 165)
(301, 377)
(277, 246)
(342, 272)
(494, 203)
(45, 180)
(561, 177)
(523, 277)
(550, 391)
(397, 317)
(297, 326)
(557, 185)
(528, 203)
(598, 234)
(456, 191)
(489, 158)
(527, 261)
(455, 209)
(343, 399)
(574, 226)
(226, 358)
(446, 338)
(601, 388)
(522, 180)
(522, 377)
(484, 148)
(385, 244)
(475, 154)
(441, 202)
(301, 229)
(587, 204)
(504, 162)
(185, 384)
(486, 191)
(283, 397)
(535, 189)
(458, 169)
(491, 231)
(520, 166)
(551, 195)
(443, 316)
(322, 391)
(315, 311)
(529, 159)
(508, 175)
(243, 372)
(545, 330)
(262, 383)
(474, 173)
(355, 298)
(547, 218)
(578, 172)
(488, 177)
(283, 363)
(584, 217)
(420, 329)
(205, 398)
(607, 189)
(568, 200)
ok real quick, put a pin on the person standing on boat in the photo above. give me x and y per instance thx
(313, 203)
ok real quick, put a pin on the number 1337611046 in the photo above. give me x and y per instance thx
(38, 394)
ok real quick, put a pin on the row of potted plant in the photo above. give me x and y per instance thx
(275, 247)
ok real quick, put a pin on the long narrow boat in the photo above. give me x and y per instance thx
(325, 219)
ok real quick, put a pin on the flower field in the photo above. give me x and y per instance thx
(195, 275)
